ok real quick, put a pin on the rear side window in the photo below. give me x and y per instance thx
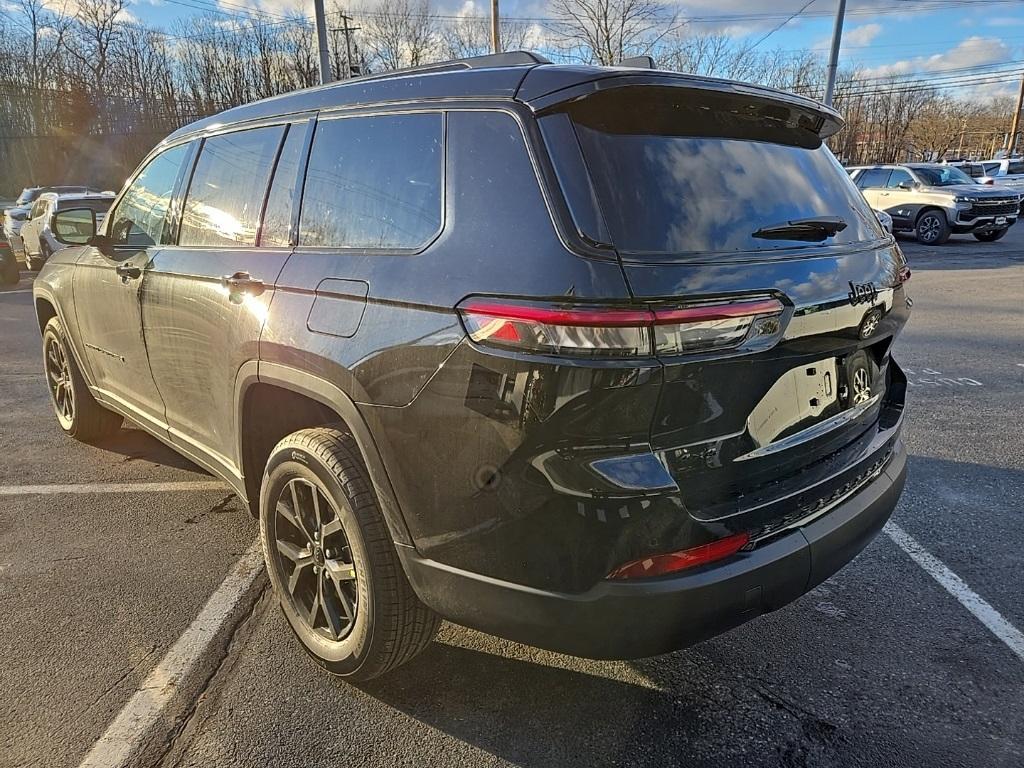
(682, 172)
(1015, 166)
(873, 178)
(142, 212)
(374, 182)
(277, 221)
(229, 184)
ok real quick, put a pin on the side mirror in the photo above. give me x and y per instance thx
(76, 226)
(906, 185)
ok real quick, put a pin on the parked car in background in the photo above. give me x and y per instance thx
(39, 239)
(478, 341)
(1008, 172)
(933, 201)
(16, 216)
(975, 170)
(9, 274)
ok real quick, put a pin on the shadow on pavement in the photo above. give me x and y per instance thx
(135, 445)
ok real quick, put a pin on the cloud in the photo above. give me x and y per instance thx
(972, 52)
(862, 35)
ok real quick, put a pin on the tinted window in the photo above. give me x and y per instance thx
(990, 168)
(277, 221)
(899, 176)
(678, 172)
(1015, 166)
(140, 216)
(225, 196)
(99, 206)
(942, 176)
(373, 182)
(873, 177)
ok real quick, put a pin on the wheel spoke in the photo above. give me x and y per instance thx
(293, 552)
(293, 580)
(331, 614)
(315, 608)
(316, 504)
(332, 527)
(343, 598)
(291, 517)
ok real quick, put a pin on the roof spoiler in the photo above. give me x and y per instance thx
(638, 62)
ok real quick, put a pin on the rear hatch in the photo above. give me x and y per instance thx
(721, 199)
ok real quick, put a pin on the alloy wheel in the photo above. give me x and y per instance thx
(928, 228)
(861, 386)
(58, 375)
(315, 560)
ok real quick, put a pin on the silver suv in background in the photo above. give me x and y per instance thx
(1008, 172)
(935, 201)
(38, 236)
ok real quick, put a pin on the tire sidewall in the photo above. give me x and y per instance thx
(346, 656)
(54, 331)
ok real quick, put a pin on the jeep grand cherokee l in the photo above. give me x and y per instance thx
(934, 201)
(592, 358)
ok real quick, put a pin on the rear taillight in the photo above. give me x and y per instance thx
(672, 562)
(904, 274)
(614, 331)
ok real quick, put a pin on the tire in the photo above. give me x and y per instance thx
(932, 228)
(77, 411)
(992, 235)
(333, 565)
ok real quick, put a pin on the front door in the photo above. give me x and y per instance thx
(872, 184)
(108, 284)
(207, 296)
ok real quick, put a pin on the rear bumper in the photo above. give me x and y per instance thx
(622, 620)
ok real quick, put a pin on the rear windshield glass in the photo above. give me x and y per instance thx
(678, 171)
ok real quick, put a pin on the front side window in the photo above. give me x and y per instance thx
(899, 176)
(225, 198)
(141, 215)
(374, 182)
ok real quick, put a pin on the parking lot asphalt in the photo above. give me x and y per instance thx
(879, 666)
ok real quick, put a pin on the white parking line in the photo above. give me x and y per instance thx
(956, 586)
(47, 490)
(143, 710)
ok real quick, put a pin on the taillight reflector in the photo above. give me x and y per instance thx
(671, 562)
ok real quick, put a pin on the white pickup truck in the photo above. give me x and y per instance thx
(1008, 172)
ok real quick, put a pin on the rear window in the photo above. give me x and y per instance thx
(1015, 166)
(677, 171)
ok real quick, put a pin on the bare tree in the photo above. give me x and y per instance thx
(400, 33)
(608, 31)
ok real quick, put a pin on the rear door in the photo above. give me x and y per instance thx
(207, 294)
(780, 290)
(873, 184)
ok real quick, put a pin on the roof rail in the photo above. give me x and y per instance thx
(507, 59)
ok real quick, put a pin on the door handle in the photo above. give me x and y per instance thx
(128, 272)
(243, 282)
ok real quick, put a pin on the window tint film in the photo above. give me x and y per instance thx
(873, 178)
(277, 221)
(1015, 166)
(140, 216)
(225, 198)
(899, 176)
(373, 182)
(679, 172)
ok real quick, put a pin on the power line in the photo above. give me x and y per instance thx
(780, 26)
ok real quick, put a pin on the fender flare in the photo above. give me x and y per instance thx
(333, 397)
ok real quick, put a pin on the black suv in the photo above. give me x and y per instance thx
(592, 358)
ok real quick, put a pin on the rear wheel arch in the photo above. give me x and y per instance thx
(284, 400)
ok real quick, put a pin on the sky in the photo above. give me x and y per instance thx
(952, 39)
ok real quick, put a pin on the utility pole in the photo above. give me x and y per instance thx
(833, 57)
(348, 46)
(495, 33)
(1011, 141)
(321, 42)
